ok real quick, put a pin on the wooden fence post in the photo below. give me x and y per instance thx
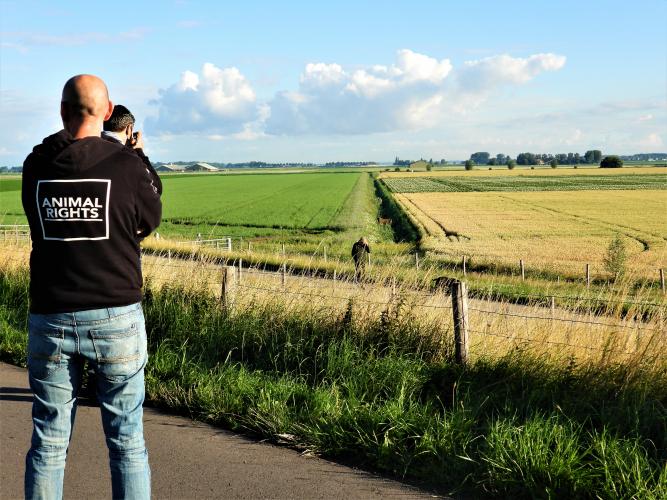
(523, 270)
(465, 262)
(369, 259)
(227, 288)
(240, 269)
(459, 292)
(553, 309)
(662, 280)
(169, 254)
(588, 275)
(416, 260)
(325, 253)
(284, 274)
(249, 246)
(283, 249)
(229, 244)
(334, 277)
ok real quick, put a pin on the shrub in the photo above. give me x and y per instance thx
(614, 261)
(429, 167)
(469, 164)
(511, 164)
(611, 162)
(397, 169)
(554, 163)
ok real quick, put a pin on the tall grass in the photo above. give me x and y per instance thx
(381, 391)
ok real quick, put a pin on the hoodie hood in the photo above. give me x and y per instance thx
(61, 155)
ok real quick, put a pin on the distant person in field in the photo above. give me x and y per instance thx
(360, 251)
(89, 202)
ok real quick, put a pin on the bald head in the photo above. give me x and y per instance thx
(85, 105)
(85, 95)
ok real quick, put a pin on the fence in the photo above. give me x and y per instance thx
(14, 232)
(467, 317)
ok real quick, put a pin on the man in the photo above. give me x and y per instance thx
(119, 127)
(89, 201)
(360, 251)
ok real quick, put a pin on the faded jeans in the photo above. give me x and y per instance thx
(113, 341)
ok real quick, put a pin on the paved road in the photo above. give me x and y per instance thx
(188, 459)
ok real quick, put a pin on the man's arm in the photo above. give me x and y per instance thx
(149, 205)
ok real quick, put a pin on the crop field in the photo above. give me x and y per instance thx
(558, 230)
(526, 183)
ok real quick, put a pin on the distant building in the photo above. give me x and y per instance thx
(202, 167)
(170, 167)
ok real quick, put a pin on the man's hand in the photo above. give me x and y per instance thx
(136, 141)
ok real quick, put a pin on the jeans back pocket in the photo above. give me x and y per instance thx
(44, 351)
(118, 351)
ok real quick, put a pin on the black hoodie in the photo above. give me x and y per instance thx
(89, 202)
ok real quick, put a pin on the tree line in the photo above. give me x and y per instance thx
(593, 156)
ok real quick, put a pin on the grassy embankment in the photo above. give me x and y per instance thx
(381, 391)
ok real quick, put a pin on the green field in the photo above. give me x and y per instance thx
(526, 183)
(303, 201)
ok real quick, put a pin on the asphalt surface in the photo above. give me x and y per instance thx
(188, 459)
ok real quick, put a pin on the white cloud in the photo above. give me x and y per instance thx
(217, 101)
(489, 72)
(645, 118)
(413, 93)
(652, 140)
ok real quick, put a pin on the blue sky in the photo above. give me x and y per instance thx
(315, 81)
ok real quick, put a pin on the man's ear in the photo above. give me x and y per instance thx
(109, 111)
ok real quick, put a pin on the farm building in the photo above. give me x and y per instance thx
(170, 167)
(202, 167)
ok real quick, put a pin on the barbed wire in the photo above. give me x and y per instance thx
(568, 320)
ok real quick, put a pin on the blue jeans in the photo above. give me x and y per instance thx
(113, 341)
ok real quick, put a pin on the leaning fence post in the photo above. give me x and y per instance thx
(227, 287)
(459, 292)
(588, 275)
(662, 280)
(465, 262)
(523, 270)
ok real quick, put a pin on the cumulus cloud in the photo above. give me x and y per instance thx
(415, 92)
(216, 101)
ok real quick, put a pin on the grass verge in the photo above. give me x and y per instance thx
(383, 394)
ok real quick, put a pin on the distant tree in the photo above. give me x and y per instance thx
(397, 169)
(588, 156)
(511, 164)
(611, 161)
(480, 158)
(443, 161)
(429, 167)
(526, 159)
(492, 161)
(554, 163)
(597, 156)
(501, 159)
(469, 164)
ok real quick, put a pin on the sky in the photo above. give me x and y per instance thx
(346, 80)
